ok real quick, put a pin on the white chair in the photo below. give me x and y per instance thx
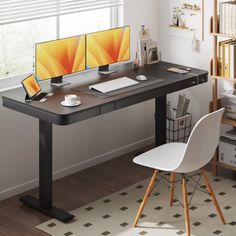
(184, 158)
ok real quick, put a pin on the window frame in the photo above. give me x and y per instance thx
(116, 18)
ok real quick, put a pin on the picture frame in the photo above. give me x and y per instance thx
(144, 33)
(152, 53)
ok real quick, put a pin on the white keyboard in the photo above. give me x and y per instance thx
(113, 85)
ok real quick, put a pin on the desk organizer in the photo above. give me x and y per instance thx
(179, 129)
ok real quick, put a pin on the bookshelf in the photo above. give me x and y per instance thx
(214, 72)
(223, 78)
(224, 35)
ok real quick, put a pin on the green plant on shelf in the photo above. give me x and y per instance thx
(189, 6)
(177, 17)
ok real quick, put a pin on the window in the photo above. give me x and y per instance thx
(85, 22)
(20, 29)
(17, 45)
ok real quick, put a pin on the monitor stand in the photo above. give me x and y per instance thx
(104, 70)
(58, 82)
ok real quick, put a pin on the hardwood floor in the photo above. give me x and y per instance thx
(72, 192)
(75, 191)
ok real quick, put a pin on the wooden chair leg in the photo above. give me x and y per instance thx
(146, 196)
(172, 187)
(186, 210)
(211, 192)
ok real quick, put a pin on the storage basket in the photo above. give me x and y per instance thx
(179, 129)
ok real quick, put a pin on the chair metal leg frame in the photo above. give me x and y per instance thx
(210, 190)
(172, 187)
(186, 203)
(186, 210)
(146, 196)
(195, 187)
(172, 183)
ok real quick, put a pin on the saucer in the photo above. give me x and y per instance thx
(63, 103)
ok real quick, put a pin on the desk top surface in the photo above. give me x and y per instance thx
(52, 110)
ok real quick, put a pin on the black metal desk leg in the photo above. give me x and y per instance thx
(160, 120)
(44, 204)
(45, 164)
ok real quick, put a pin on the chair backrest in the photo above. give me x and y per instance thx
(202, 142)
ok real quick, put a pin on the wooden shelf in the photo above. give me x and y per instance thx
(223, 35)
(228, 121)
(221, 164)
(179, 27)
(233, 80)
(189, 9)
(214, 70)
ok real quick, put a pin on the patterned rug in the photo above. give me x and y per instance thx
(114, 214)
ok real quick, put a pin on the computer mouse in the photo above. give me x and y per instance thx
(141, 77)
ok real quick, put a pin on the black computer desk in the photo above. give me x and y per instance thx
(52, 112)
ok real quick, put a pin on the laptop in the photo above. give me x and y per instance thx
(33, 89)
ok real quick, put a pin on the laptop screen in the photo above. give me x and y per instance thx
(31, 86)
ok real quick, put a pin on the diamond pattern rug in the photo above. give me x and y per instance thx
(114, 214)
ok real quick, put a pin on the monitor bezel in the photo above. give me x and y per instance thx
(56, 77)
(120, 27)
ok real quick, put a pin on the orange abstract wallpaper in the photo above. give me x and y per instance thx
(31, 85)
(60, 57)
(107, 47)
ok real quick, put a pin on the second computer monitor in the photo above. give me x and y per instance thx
(107, 47)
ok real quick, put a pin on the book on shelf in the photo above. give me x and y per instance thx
(227, 14)
(232, 60)
(227, 58)
(222, 56)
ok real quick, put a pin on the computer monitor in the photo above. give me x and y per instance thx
(54, 59)
(107, 47)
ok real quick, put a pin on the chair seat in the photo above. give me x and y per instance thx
(166, 157)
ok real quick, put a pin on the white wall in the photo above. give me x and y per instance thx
(79, 145)
(141, 12)
(178, 50)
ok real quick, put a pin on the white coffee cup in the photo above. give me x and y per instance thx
(71, 99)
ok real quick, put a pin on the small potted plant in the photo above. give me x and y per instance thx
(196, 8)
(177, 14)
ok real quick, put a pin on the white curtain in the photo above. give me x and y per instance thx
(13, 11)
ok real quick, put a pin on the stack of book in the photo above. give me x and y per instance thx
(231, 134)
(227, 12)
(229, 102)
(227, 58)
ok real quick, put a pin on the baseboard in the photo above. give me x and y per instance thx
(77, 167)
